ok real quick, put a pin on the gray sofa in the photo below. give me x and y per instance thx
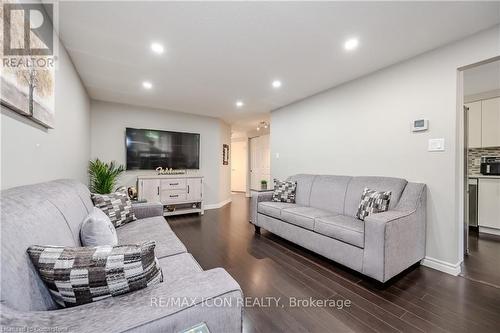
(51, 214)
(322, 220)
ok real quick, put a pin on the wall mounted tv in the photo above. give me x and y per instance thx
(148, 149)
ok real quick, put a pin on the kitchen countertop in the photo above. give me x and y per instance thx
(484, 176)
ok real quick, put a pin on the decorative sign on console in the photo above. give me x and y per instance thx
(170, 171)
(179, 194)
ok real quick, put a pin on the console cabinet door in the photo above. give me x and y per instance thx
(194, 189)
(149, 189)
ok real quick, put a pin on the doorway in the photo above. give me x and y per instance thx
(481, 170)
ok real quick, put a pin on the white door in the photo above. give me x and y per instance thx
(260, 161)
(239, 166)
(149, 189)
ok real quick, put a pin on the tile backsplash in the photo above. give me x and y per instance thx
(474, 157)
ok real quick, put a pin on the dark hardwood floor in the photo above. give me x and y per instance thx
(482, 264)
(419, 300)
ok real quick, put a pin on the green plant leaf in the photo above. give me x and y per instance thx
(103, 176)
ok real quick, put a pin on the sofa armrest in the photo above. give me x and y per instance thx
(212, 297)
(395, 240)
(254, 203)
(147, 209)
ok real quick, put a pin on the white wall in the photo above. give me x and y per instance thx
(363, 128)
(108, 123)
(31, 153)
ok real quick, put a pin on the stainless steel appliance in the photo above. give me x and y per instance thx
(490, 165)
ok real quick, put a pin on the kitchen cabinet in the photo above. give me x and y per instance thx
(474, 122)
(490, 122)
(489, 205)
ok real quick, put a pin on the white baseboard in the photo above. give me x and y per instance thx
(440, 265)
(218, 205)
(491, 231)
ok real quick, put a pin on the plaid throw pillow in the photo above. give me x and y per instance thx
(80, 275)
(373, 202)
(116, 205)
(284, 191)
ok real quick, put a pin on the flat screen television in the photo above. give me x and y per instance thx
(149, 149)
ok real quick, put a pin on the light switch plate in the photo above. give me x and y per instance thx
(436, 145)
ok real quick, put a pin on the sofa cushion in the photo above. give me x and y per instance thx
(116, 205)
(328, 192)
(304, 184)
(303, 216)
(152, 228)
(358, 184)
(284, 191)
(29, 216)
(273, 209)
(373, 202)
(178, 266)
(343, 228)
(80, 275)
(97, 229)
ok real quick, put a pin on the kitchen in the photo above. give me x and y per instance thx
(482, 105)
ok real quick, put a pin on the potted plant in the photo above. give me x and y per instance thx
(103, 176)
(263, 184)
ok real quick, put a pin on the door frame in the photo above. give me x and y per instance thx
(462, 178)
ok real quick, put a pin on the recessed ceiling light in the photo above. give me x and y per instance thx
(239, 104)
(147, 85)
(351, 44)
(276, 83)
(157, 48)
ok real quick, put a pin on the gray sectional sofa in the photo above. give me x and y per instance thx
(323, 220)
(51, 214)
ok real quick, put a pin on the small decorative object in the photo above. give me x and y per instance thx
(103, 176)
(132, 192)
(169, 171)
(225, 154)
(170, 208)
(194, 206)
(263, 184)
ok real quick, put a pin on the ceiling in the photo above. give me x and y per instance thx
(219, 52)
(480, 79)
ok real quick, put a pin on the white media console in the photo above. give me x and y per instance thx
(179, 194)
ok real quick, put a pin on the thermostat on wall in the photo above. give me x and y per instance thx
(420, 125)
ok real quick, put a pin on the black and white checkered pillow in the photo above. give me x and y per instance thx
(284, 191)
(373, 202)
(116, 205)
(80, 275)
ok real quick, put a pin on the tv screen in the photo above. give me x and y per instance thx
(148, 149)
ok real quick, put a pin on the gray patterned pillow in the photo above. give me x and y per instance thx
(373, 202)
(116, 205)
(284, 191)
(80, 275)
